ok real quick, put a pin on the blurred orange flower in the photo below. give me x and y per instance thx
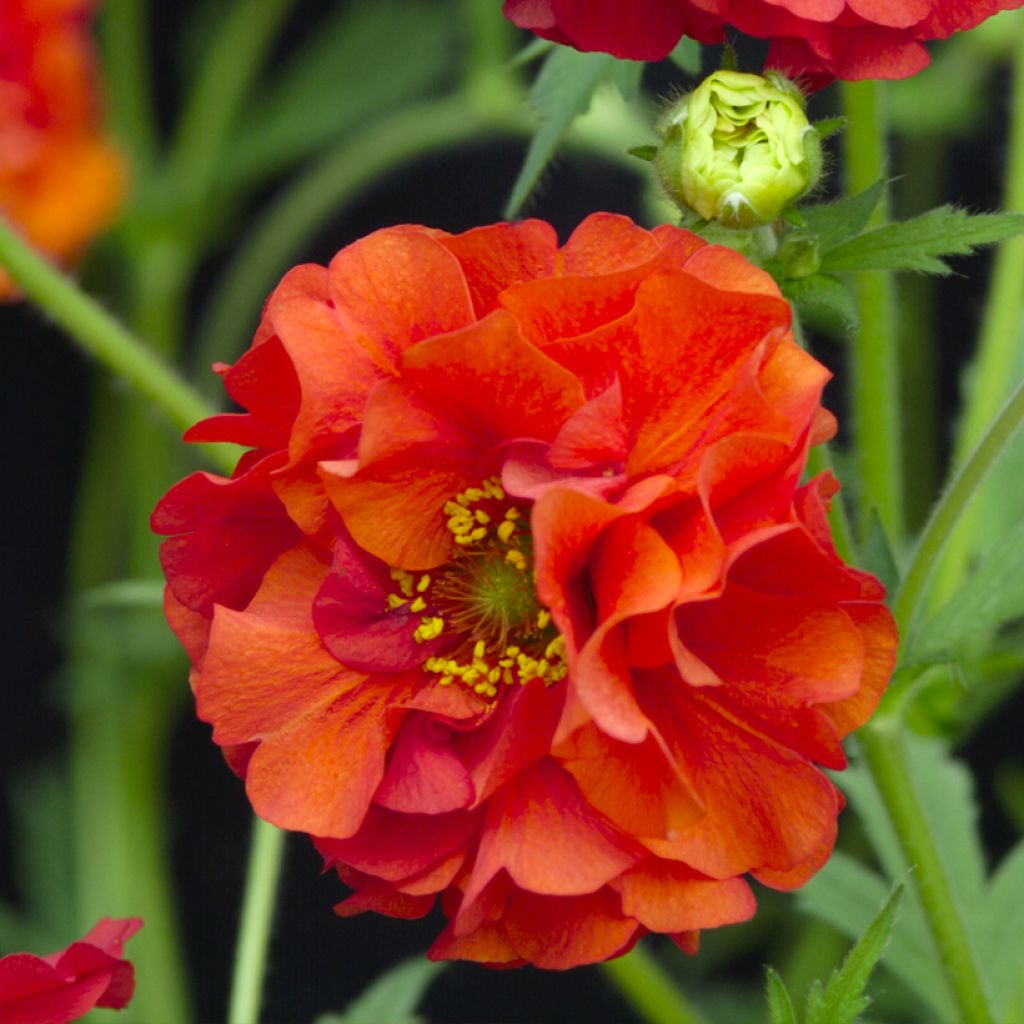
(518, 599)
(60, 179)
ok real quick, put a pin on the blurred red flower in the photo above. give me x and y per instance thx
(517, 598)
(60, 180)
(67, 985)
(815, 40)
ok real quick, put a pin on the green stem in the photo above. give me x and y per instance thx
(997, 354)
(650, 991)
(358, 162)
(951, 508)
(124, 29)
(266, 855)
(121, 716)
(100, 334)
(924, 162)
(874, 354)
(880, 741)
(228, 69)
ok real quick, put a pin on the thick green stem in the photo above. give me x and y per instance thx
(987, 382)
(880, 741)
(355, 164)
(126, 70)
(100, 334)
(266, 855)
(124, 692)
(951, 508)
(650, 991)
(874, 358)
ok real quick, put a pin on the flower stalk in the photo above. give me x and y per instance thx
(266, 856)
(880, 740)
(104, 337)
(647, 986)
(874, 355)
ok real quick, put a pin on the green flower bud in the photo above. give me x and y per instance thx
(738, 149)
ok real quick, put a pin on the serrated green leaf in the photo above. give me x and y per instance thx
(643, 152)
(921, 242)
(687, 55)
(843, 999)
(780, 1005)
(845, 894)
(822, 293)
(338, 78)
(1002, 953)
(992, 596)
(392, 997)
(836, 222)
(561, 92)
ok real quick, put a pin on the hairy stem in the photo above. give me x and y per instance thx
(874, 354)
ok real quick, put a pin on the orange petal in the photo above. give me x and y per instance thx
(377, 285)
(696, 340)
(632, 784)
(764, 805)
(559, 932)
(540, 830)
(668, 897)
(499, 255)
(464, 371)
(633, 572)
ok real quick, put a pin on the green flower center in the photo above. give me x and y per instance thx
(485, 599)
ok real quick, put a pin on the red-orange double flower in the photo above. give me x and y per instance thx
(816, 40)
(518, 599)
(60, 180)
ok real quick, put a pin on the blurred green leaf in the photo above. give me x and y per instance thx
(876, 554)
(992, 596)
(41, 810)
(392, 997)
(1001, 949)
(343, 75)
(780, 1005)
(836, 222)
(843, 1000)
(561, 92)
(921, 242)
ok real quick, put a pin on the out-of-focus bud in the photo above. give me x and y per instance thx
(738, 149)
